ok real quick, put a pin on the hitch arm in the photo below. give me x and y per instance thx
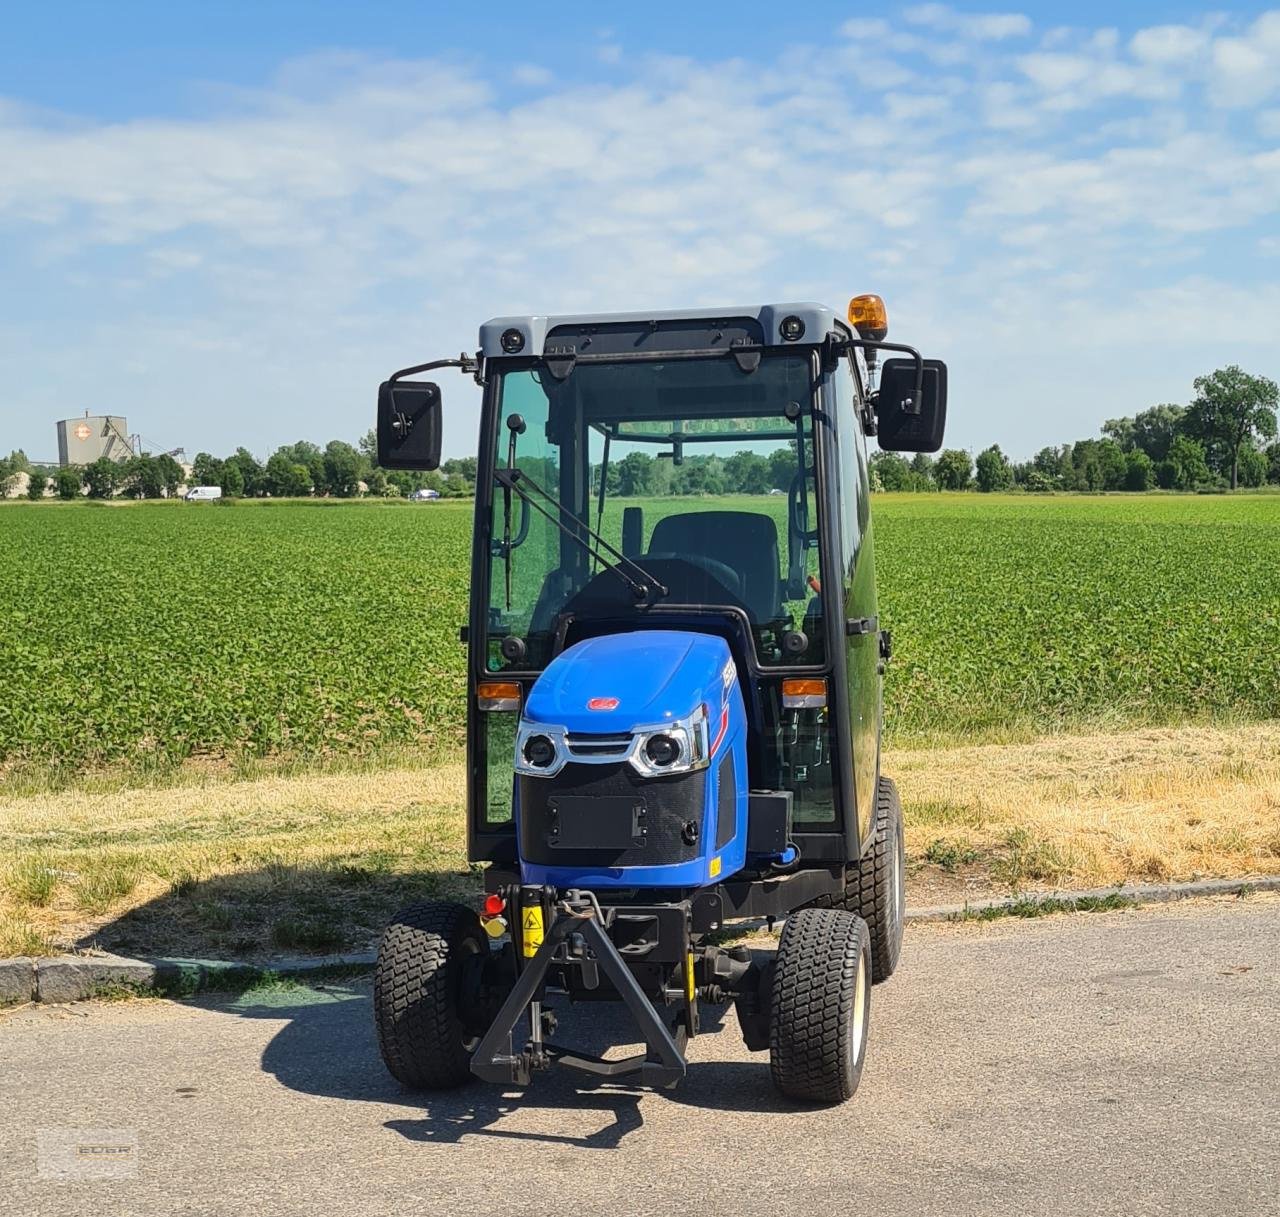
(495, 1059)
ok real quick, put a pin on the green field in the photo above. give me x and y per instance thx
(168, 631)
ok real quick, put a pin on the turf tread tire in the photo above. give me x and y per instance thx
(421, 1038)
(868, 886)
(811, 1016)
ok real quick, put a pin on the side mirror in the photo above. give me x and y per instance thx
(408, 425)
(921, 430)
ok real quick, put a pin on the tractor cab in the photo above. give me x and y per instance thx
(675, 663)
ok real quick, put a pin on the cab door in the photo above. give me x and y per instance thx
(861, 622)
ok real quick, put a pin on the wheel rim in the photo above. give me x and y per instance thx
(899, 881)
(860, 1009)
(467, 949)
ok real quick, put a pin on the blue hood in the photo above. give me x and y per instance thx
(655, 675)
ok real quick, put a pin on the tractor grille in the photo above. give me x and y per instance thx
(668, 805)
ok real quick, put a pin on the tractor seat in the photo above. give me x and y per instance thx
(743, 540)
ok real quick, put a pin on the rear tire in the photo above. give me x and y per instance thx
(820, 1005)
(425, 959)
(876, 888)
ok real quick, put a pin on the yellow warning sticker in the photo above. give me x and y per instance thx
(532, 930)
(715, 867)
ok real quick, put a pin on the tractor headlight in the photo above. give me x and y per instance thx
(678, 747)
(540, 750)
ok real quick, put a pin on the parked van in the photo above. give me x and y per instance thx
(203, 494)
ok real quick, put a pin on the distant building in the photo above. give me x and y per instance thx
(81, 441)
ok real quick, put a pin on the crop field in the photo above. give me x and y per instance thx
(169, 632)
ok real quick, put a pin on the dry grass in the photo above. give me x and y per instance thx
(298, 862)
(225, 867)
(1093, 810)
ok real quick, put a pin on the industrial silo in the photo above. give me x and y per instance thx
(81, 441)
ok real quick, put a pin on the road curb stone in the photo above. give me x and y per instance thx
(1146, 893)
(66, 978)
(17, 980)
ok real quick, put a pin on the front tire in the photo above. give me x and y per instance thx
(429, 959)
(876, 888)
(820, 1005)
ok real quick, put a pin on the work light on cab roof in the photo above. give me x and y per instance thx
(674, 685)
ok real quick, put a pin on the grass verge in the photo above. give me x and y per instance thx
(290, 863)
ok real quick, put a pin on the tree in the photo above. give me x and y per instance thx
(892, 469)
(783, 467)
(250, 472)
(1230, 408)
(1253, 466)
(232, 480)
(1050, 463)
(635, 473)
(1154, 429)
(341, 469)
(1121, 430)
(747, 473)
(464, 466)
(142, 478)
(953, 469)
(170, 474)
(922, 472)
(69, 481)
(284, 477)
(103, 477)
(1185, 467)
(994, 472)
(1140, 470)
(36, 486)
(1273, 462)
(206, 470)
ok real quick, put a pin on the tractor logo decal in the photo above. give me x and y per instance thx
(602, 703)
(724, 726)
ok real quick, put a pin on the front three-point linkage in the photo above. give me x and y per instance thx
(577, 937)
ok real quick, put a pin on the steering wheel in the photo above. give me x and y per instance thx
(722, 572)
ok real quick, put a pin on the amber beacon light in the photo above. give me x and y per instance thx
(868, 315)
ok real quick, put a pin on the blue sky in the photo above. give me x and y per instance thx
(229, 222)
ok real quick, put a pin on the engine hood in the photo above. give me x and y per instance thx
(618, 682)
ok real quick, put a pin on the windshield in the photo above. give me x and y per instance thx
(698, 472)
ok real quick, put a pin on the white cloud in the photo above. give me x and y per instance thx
(532, 75)
(978, 26)
(1164, 44)
(355, 214)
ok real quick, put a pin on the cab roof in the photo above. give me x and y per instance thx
(758, 322)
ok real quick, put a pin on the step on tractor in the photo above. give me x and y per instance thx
(674, 671)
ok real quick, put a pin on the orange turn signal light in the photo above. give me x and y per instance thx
(498, 695)
(868, 315)
(804, 693)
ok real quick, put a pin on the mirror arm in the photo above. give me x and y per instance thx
(838, 344)
(473, 364)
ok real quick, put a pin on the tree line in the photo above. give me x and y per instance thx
(339, 469)
(1226, 437)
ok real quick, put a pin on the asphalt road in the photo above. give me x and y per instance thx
(1122, 1063)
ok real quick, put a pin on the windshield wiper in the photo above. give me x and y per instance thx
(595, 545)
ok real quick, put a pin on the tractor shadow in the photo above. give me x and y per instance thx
(326, 1048)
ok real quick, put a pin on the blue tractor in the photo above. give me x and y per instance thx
(674, 693)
